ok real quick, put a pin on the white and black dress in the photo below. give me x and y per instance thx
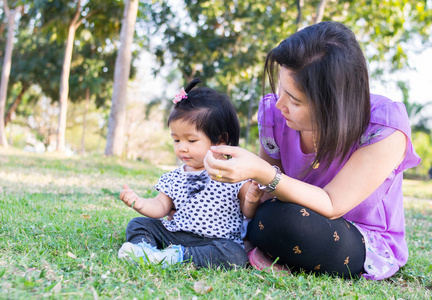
(207, 222)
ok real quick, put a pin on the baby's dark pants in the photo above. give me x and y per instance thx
(202, 251)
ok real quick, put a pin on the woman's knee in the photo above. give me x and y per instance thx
(274, 218)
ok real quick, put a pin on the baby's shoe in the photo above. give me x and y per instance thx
(128, 249)
(171, 255)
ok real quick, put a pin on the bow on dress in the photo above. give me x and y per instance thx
(196, 183)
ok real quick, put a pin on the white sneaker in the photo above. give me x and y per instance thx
(127, 249)
(171, 255)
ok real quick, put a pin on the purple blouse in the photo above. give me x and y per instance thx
(380, 217)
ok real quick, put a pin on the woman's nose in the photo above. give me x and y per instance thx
(280, 104)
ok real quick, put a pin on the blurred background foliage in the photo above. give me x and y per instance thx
(222, 42)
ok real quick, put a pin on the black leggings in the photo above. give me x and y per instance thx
(305, 240)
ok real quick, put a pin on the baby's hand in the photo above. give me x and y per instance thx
(254, 193)
(128, 196)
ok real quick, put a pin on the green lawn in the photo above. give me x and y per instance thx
(61, 225)
(418, 189)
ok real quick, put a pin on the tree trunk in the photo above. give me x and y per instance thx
(14, 105)
(64, 80)
(117, 118)
(320, 11)
(87, 100)
(299, 19)
(7, 61)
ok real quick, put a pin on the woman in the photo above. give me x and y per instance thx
(331, 157)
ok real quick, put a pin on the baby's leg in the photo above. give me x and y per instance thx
(218, 252)
(148, 238)
(202, 251)
(211, 252)
(148, 230)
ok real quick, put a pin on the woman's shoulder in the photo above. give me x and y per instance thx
(387, 116)
(387, 112)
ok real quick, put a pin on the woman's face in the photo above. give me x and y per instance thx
(293, 103)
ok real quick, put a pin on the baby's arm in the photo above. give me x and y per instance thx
(157, 207)
(250, 196)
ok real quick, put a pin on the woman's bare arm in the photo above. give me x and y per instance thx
(363, 173)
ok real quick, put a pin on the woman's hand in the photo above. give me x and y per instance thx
(241, 166)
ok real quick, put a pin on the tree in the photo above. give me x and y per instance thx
(99, 18)
(10, 16)
(39, 54)
(64, 79)
(93, 73)
(225, 42)
(117, 118)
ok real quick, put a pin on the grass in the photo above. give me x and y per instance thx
(418, 188)
(61, 226)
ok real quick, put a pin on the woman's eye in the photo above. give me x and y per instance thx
(176, 141)
(192, 141)
(294, 102)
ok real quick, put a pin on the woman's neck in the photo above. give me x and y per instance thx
(307, 142)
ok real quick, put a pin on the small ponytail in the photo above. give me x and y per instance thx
(192, 84)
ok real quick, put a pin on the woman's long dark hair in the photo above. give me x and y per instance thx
(329, 67)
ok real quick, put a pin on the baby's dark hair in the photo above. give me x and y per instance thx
(212, 113)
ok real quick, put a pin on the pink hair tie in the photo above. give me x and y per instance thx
(180, 96)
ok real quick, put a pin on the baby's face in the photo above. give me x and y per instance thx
(190, 145)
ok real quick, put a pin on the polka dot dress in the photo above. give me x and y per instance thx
(211, 209)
